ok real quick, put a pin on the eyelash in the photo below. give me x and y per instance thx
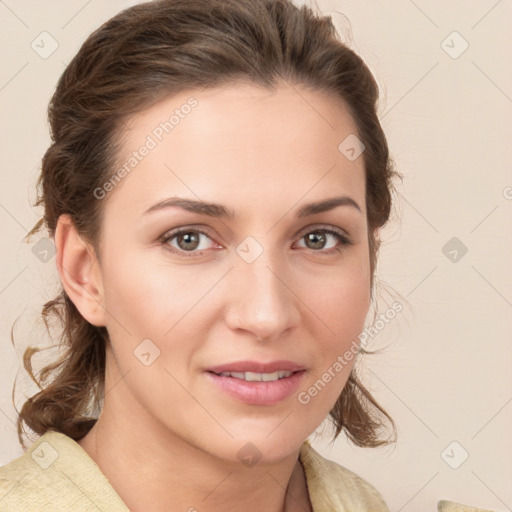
(166, 238)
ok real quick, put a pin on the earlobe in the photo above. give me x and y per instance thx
(79, 271)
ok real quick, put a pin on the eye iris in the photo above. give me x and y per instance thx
(191, 241)
(318, 239)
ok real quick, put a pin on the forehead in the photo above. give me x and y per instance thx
(237, 143)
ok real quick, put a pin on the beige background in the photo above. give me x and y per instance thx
(445, 372)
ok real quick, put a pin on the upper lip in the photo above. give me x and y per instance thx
(257, 367)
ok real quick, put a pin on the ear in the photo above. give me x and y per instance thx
(79, 271)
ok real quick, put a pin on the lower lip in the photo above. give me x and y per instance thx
(259, 392)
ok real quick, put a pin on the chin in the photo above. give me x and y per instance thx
(270, 444)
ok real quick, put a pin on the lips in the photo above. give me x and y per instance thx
(257, 383)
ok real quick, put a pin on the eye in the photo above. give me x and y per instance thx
(325, 240)
(195, 241)
(187, 240)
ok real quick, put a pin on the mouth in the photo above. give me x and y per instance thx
(257, 383)
(256, 377)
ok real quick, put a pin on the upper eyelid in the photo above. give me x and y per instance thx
(321, 227)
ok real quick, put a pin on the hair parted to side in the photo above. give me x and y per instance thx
(145, 54)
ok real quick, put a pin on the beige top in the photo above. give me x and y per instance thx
(56, 474)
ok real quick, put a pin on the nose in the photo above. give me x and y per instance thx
(261, 298)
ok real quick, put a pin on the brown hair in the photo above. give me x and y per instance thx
(142, 55)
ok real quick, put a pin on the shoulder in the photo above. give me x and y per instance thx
(55, 474)
(333, 487)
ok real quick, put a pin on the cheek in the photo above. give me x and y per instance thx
(136, 299)
(341, 306)
(149, 296)
(148, 299)
(350, 308)
(345, 314)
(341, 302)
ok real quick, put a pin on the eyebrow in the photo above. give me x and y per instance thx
(220, 211)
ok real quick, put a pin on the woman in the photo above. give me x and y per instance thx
(215, 188)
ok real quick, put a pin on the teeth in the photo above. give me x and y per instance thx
(250, 376)
(257, 377)
(268, 376)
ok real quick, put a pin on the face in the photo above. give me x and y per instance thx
(260, 281)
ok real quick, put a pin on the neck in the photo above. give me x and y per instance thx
(151, 469)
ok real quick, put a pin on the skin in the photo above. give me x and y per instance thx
(165, 435)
